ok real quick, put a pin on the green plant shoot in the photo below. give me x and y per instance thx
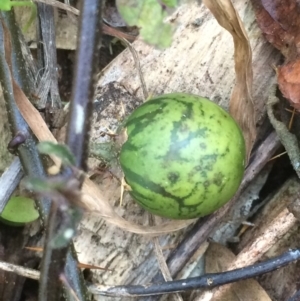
(149, 15)
(7, 5)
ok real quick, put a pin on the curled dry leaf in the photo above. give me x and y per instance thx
(241, 104)
(216, 260)
(92, 197)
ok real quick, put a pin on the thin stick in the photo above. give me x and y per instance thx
(138, 67)
(19, 270)
(161, 260)
(292, 119)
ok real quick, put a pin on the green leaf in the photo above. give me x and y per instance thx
(150, 16)
(5, 5)
(19, 210)
(59, 150)
(170, 3)
(8, 4)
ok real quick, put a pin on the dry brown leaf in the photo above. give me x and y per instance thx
(288, 77)
(279, 21)
(33, 118)
(92, 197)
(217, 259)
(241, 104)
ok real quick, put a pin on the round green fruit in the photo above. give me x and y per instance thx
(184, 156)
(18, 211)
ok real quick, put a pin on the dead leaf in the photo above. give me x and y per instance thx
(241, 104)
(288, 77)
(279, 21)
(92, 197)
(217, 259)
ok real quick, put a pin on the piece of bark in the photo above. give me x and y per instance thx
(5, 136)
(280, 284)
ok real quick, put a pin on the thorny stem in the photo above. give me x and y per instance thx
(28, 153)
(56, 256)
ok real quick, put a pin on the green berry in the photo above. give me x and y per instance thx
(184, 157)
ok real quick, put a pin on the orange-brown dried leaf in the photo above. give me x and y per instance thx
(241, 105)
(279, 20)
(288, 77)
(92, 267)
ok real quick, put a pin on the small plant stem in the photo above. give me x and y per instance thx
(55, 260)
(288, 139)
(84, 82)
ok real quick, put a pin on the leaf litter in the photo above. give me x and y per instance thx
(280, 23)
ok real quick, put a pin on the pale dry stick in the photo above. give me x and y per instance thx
(9, 181)
(161, 259)
(254, 251)
(138, 67)
(19, 270)
(123, 183)
(163, 265)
